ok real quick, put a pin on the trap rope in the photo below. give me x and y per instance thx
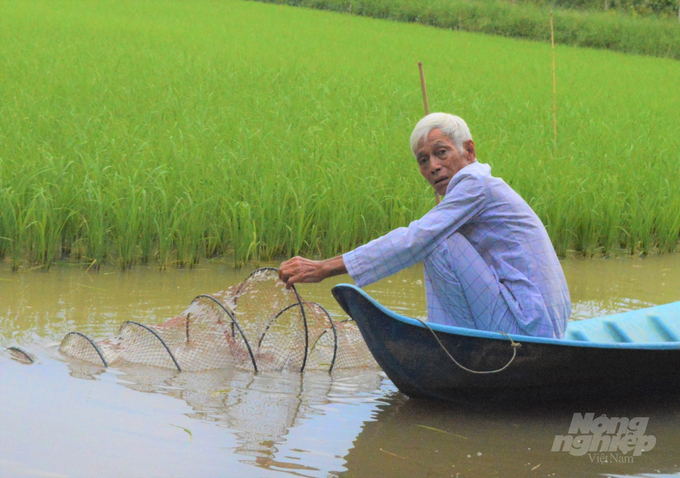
(513, 344)
(258, 326)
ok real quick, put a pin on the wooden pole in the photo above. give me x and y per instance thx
(437, 198)
(552, 41)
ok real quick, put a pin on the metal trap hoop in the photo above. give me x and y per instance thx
(234, 322)
(22, 353)
(88, 340)
(335, 334)
(155, 334)
(260, 272)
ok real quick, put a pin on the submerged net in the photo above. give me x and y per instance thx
(19, 355)
(258, 326)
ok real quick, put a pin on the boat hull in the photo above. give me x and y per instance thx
(543, 369)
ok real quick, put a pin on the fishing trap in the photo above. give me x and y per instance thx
(257, 326)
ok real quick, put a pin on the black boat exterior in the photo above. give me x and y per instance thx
(543, 369)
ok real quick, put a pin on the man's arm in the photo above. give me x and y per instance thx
(405, 246)
(299, 269)
(398, 249)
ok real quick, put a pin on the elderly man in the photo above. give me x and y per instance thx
(488, 261)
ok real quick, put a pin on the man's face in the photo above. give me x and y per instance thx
(439, 159)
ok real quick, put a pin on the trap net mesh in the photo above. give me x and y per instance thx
(257, 326)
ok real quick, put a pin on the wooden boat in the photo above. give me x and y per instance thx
(632, 353)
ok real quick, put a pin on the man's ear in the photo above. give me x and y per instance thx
(469, 147)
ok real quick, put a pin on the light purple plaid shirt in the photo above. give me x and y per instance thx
(505, 232)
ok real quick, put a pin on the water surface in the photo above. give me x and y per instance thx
(66, 418)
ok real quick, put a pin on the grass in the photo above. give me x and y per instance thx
(660, 8)
(168, 132)
(528, 19)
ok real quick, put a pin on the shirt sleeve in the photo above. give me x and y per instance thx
(405, 246)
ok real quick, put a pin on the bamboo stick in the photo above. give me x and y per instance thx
(552, 41)
(437, 198)
(424, 88)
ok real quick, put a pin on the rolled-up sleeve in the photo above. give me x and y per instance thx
(405, 246)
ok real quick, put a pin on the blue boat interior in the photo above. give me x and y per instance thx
(650, 325)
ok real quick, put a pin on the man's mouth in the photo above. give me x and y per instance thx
(440, 180)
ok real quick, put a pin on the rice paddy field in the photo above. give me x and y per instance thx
(168, 132)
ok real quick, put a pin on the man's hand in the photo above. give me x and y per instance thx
(299, 269)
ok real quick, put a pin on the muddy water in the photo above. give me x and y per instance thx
(61, 418)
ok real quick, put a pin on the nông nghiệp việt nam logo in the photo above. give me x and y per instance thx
(602, 435)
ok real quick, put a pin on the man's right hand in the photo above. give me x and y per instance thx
(301, 270)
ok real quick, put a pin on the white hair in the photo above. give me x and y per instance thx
(452, 126)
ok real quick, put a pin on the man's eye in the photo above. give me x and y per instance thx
(441, 152)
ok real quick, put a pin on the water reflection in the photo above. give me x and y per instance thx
(357, 424)
(587, 309)
(264, 411)
(426, 438)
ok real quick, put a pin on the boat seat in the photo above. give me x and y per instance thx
(651, 325)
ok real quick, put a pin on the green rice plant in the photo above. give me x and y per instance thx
(163, 228)
(189, 224)
(94, 228)
(47, 228)
(128, 211)
(143, 131)
(243, 229)
(669, 226)
(17, 219)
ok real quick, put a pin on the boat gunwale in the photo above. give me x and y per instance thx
(454, 330)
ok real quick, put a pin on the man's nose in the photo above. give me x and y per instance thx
(435, 165)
